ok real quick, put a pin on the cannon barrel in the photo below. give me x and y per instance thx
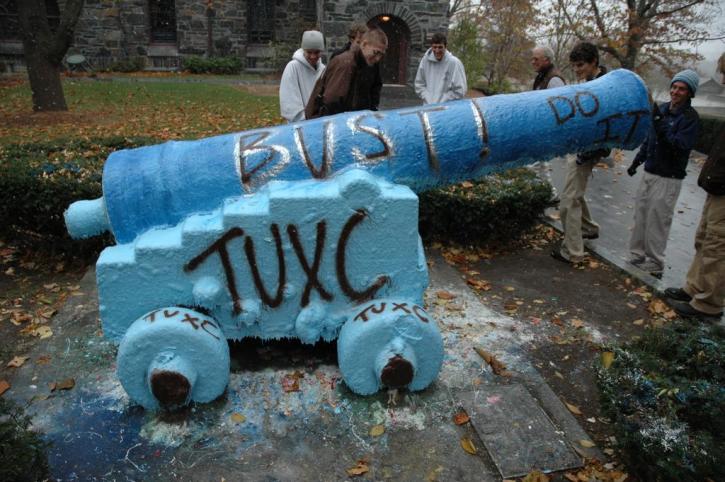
(421, 147)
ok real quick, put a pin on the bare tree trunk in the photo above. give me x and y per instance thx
(44, 50)
(45, 83)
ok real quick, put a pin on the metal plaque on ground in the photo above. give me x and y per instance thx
(517, 433)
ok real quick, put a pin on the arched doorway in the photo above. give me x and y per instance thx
(394, 65)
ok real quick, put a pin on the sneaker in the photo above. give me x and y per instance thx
(677, 294)
(636, 260)
(590, 235)
(556, 254)
(651, 267)
(686, 310)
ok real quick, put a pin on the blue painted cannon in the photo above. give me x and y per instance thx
(309, 231)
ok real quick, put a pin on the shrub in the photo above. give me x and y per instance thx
(498, 207)
(666, 397)
(22, 452)
(132, 64)
(711, 127)
(38, 181)
(213, 65)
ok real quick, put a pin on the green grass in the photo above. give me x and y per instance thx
(162, 109)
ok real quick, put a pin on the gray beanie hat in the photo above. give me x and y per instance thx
(690, 78)
(312, 40)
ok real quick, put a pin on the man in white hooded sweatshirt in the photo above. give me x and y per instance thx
(441, 76)
(300, 75)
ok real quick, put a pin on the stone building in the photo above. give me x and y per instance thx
(263, 34)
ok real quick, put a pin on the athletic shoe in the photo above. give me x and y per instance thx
(677, 294)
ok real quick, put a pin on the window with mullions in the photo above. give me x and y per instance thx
(163, 20)
(308, 10)
(10, 24)
(260, 21)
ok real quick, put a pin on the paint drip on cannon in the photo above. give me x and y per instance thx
(309, 231)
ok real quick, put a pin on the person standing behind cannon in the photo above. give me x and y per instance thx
(703, 296)
(547, 77)
(665, 154)
(441, 76)
(349, 83)
(354, 36)
(299, 76)
(573, 210)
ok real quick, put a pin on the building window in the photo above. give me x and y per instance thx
(9, 25)
(260, 21)
(308, 10)
(53, 14)
(163, 20)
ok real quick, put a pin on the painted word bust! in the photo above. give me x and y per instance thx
(309, 231)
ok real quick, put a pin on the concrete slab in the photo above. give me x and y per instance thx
(257, 430)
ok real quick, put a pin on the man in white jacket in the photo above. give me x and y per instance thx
(300, 75)
(441, 76)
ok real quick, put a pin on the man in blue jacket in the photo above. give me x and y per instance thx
(665, 154)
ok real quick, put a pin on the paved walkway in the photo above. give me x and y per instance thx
(611, 193)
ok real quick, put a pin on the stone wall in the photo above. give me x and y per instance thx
(116, 30)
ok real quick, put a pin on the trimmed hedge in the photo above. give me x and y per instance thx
(711, 127)
(213, 65)
(22, 451)
(38, 181)
(496, 208)
(665, 395)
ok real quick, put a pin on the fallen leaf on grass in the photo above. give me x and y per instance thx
(607, 359)
(593, 264)
(638, 322)
(291, 381)
(510, 307)
(573, 408)
(361, 467)
(586, 443)
(66, 384)
(17, 362)
(559, 375)
(577, 323)
(460, 418)
(632, 305)
(4, 386)
(496, 365)
(468, 446)
(238, 418)
(445, 295)
(659, 308)
(510, 288)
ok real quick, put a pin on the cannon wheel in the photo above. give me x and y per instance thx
(171, 356)
(389, 343)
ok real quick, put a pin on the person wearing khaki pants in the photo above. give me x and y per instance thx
(704, 293)
(573, 210)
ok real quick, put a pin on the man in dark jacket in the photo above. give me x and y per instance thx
(665, 154)
(349, 83)
(703, 296)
